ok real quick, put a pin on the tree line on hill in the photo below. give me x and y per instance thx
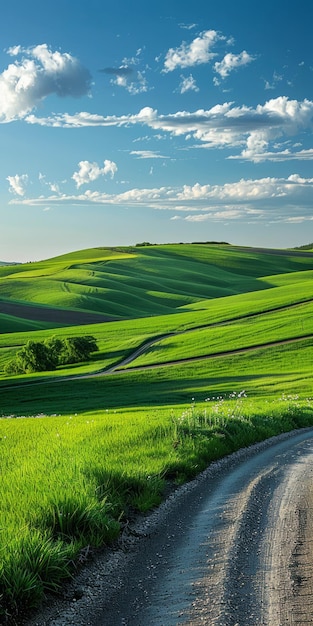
(40, 356)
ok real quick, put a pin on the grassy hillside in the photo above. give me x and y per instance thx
(136, 282)
(227, 340)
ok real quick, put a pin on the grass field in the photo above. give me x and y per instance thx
(230, 364)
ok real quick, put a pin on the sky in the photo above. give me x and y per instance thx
(173, 121)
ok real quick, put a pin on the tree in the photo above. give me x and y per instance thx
(77, 349)
(55, 347)
(33, 357)
(40, 356)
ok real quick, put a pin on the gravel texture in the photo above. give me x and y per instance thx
(179, 565)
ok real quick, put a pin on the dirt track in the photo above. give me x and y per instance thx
(232, 548)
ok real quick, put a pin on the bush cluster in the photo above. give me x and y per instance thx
(40, 356)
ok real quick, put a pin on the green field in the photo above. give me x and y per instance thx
(226, 337)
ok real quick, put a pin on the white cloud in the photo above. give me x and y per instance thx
(187, 26)
(195, 53)
(188, 84)
(52, 186)
(134, 81)
(138, 85)
(18, 184)
(39, 73)
(280, 199)
(252, 130)
(231, 62)
(89, 172)
(148, 154)
(276, 79)
(230, 214)
(85, 119)
(283, 155)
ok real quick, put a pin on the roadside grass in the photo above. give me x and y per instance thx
(70, 482)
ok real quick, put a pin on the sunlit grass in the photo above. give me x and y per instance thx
(281, 325)
(69, 481)
(78, 457)
(153, 280)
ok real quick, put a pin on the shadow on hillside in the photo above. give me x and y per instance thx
(120, 391)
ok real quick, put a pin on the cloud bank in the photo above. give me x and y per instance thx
(268, 199)
(247, 130)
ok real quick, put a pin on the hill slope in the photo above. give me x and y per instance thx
(123, 283)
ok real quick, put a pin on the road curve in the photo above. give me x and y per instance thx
(231, 548)
(235, 548)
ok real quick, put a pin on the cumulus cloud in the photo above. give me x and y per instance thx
(188, 84)
(280, 199)
(38, 73)
(195, 53)
(18, 184)
(248, 129)
(89, 172)
(231, 62)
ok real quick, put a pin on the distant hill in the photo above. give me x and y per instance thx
(6, 263)
(307, 246)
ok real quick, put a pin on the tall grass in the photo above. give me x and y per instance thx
(70, 481)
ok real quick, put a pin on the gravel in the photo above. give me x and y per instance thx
(101, 581)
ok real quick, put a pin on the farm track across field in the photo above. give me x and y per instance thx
(231, 547)
(119, 368)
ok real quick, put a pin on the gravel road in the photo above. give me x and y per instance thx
(232, 548)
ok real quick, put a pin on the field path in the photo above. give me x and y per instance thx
(118, 368)
(236, 551)
(231, 548)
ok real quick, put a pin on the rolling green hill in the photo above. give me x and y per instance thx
(124, 283)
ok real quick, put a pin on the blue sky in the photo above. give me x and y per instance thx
(162, 122)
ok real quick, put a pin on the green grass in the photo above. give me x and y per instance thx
(77, 457)
(282, 325)
(118, 339)
(136, 282)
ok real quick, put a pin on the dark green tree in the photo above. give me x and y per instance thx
(38, 356)
(77, 349)
(33, 357)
